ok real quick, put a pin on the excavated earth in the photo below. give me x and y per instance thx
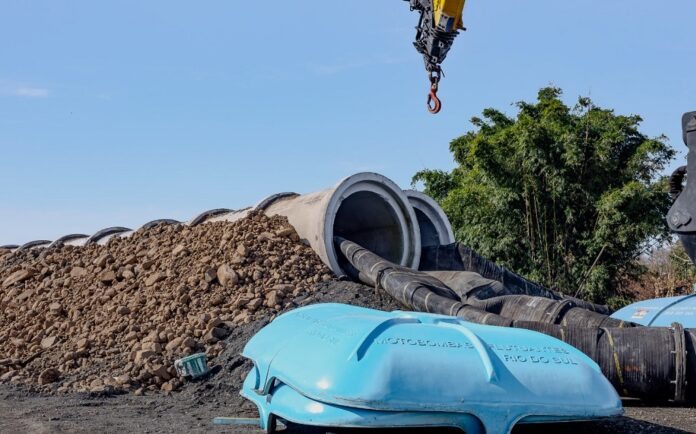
(88, 335)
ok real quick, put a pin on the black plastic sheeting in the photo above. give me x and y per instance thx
(651, 363)
(457, 257)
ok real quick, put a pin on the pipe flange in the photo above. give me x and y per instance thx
(432, 211)
(679, 362)
(270, 200)
(65, 239)
(393, 196)
(152, 224)
(33, 245)
(202, 217)
(106, 233)
(561, 309)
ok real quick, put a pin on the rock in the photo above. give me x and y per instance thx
(227, 276)
(142, 356)
(107, 277)
(215, 334)
(210, 275)
(154, 278)
(123, 310)
(7, 376)
(242, 250)
(272, 298)
(217, 300)
(169, 386)
(180, 249)
(78, 272)
(160, 371)
(55, 308)
(48, 342)
(254, 304)
(283, 288)
(48, 376)
(174, 343)
(122, 379)
(189, 342)
(83, 344)
(287, 232)
(241, 318)
(265, 236)
(19, 277)
(25, 295)
(102, 260)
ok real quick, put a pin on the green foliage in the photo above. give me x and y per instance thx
(569, 197)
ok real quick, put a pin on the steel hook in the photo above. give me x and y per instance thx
(434, 103)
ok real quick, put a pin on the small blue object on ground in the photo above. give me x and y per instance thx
(193, 366)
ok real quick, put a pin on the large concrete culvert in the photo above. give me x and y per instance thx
(365, 208)
(435, 227)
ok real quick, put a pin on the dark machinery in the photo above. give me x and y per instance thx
(682, 217)
(440, 22)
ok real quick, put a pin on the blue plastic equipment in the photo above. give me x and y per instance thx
(334, 365)
(661, 312)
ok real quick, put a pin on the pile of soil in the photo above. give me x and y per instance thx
(115, 317)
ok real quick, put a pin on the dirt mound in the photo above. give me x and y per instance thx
(115, 317)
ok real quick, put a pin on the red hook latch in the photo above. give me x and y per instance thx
(434, 103)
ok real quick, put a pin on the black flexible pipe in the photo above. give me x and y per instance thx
(651, 363)
(457, 257)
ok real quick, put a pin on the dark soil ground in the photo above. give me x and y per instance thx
(193, 409)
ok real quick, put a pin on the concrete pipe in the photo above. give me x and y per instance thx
(153, 223)
(366, 208)
(435, 227)
(34, 245)
(102, 236)
(69, 240)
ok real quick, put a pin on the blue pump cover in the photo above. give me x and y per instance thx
(343, 366)
(661, 312)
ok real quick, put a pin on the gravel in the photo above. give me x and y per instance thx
(114, 318)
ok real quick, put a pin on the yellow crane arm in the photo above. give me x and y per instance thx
(440, 22)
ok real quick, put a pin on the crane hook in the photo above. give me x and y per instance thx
(434, 103)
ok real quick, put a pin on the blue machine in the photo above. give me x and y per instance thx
(334, 365)
(661, 312)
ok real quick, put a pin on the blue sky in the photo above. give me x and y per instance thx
(116, 113)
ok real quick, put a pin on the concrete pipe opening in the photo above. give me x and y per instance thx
(366, 208)
(367, 219)
(435, 227)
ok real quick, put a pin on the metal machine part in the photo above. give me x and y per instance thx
(440, 23)
(682, 217)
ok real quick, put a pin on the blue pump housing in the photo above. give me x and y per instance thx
(334, 365)
(661, 312)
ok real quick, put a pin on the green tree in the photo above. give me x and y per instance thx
(569, 197)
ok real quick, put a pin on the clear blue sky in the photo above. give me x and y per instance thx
(116, 113)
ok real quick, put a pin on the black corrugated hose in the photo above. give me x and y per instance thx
(650, 363)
